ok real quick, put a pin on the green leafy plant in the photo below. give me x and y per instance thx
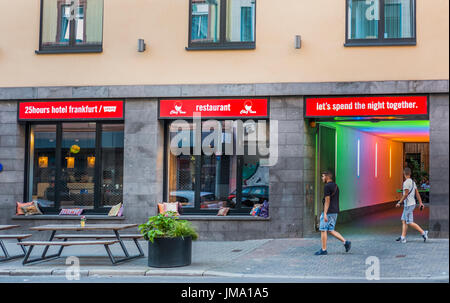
(167, 225)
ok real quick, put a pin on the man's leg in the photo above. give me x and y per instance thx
(323, 237)
(416, 227)
(337, 235)
(404, 228)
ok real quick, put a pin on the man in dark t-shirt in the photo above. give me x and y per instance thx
(329, 216)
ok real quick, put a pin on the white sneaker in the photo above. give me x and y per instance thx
(425, 235)
(403, 240)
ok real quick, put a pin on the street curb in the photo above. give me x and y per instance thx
(199, 273)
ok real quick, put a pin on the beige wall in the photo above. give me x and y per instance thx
(164, 26)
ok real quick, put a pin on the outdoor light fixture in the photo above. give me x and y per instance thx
(141, 45)
(298, 42)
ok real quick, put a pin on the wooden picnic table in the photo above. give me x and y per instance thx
(19, 238)
(54, 228)
(5, 227)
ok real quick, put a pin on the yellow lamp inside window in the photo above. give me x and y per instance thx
(43, 162)
(70, 162)
(91, 161)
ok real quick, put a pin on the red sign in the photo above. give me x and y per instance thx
(218, 108)
(29, 111)
(366, 106)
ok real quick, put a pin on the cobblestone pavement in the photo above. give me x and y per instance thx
(283, 258)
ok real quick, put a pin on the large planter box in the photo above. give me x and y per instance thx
(170, 252)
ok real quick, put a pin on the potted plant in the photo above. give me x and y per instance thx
(169, 240)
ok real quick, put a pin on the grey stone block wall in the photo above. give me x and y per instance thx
(439, 167)
(143, 160)
(12, 157)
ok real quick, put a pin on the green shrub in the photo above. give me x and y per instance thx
(167, 225)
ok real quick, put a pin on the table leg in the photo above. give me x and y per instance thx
(125, 251)
(47, 247)
(121, 244)
(4, 249)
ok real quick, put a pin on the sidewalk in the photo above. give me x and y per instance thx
(283, 258)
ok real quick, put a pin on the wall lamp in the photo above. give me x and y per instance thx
(298, 41)
(141, 45)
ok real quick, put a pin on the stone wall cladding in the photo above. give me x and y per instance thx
(12, 157)
(439, 167)
(143, 160)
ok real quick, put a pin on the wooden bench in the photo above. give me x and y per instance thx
(63, 244)
(19, 239)
(81, 236)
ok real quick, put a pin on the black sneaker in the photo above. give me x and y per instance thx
(347, 245)
(398, 239)
(321, 252)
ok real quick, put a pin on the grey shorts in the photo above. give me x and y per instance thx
(407, 214)
(327, 226)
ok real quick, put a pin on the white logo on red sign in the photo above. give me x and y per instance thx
(177, 110)
(109, 109)
(248, 108)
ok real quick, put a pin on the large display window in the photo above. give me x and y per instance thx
(227, 170)
(75, 165)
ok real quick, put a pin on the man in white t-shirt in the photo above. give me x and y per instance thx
(409, 191)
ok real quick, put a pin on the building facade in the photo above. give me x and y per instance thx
(92, 94)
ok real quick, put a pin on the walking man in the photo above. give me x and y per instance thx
(409, 204)
(329, 215)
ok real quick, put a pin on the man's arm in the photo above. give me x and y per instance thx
(419, 198)
(405, 194)
(325, 208)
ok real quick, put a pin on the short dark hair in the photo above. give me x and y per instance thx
(407, 171)
(328, 173)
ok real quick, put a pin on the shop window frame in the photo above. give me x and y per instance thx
(196, 210)
(97, 210)
(72, 47)
(222, 44)
(381, 41)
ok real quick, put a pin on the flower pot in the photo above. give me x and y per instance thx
(170, 252)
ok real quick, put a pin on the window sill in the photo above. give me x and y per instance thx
(222, 218)
(68, 51)
(220, 47)
(399, 43)
(57, 217)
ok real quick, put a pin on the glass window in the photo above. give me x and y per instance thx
(205, 21)
(112, 164)
(222, 168)
(380, 22)
(222, 23)
(71, 24)
(398, 18)
(363, 17)
(76, 165)
(42, 170)
(78, 171)
(240, 20)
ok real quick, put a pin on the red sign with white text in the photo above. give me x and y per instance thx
(67, 110)
(217, 108)
(366, 106)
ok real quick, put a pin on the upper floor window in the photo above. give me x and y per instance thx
(381, 22)
(71, 26)
(222, 24)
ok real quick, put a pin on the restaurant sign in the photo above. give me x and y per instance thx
(365, 106)
(70, 110)
(213, 108)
